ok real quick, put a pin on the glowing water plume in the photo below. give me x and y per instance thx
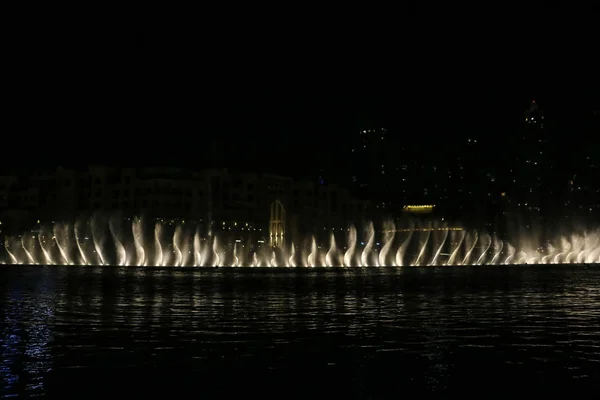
(313, 253)
(292, 261)
(78, 228)
(157, 246)
(215, 248)
(176, 248)
(186, 247)
(423, 247)
(125, 242)
(207, 254)
(12, 256)
(321, 261)
(257, 259)
(594, 256)
(236, 260)
(115, 232)
(402, 250)
(138, 239)
(488, 244)
(349, 255)
(62, 232)
(498, 244)
(331, 253)
(581, 256)
(591, 243)
(566, 247)
(197, 249)
(471, 248)
(578, 244)
(511, 253)
(529, 246)
(551, 250)
(364, 257)
(434, 261)
(45, 252)
(521, 257)
(389, 229)
(97, 237)
(29, 256)
(454, 252)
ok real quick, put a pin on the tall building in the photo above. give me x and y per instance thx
(583, 186)
(395, 170)
(471, 188)
(374, 167)
(368, 158)
(530, 170)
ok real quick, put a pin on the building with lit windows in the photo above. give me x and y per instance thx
(528, 175)
(221, 200)
(582, 200)
(419, 209)
(370, 164)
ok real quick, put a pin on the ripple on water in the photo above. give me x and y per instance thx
(373, 332)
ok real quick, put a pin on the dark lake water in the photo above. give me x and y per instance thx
(312, 333)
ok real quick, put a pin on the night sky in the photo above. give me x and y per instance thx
(156, 92)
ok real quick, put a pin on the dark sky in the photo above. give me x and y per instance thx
(158, 91)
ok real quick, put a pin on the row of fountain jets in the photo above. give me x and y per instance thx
(111, 242)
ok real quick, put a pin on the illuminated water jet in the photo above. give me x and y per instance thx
(78, 231)
(349, 255)
(331, 253)
(127, 242)
(389, 230)
(364, 257)
(313, 253)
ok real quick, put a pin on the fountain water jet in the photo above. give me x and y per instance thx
(471, 248)
(423, 248)
(313, 253)
(439, 250)
(138, 238)
(331, 253)
(402, 249)
(499, 245)
(350, 253)
(121, 252)
(389, 229)
(29, 256)
(78, 230)
(176, 248)
(126, 242)
(487, 247)
(364, 257)
(291, 261)
(62, 232)
(197, 249)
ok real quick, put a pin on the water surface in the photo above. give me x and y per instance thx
(76, 332)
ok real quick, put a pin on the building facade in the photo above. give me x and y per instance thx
(370, 162)
(274, 206)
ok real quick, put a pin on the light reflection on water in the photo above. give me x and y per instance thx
(355, 333)
(27, 311)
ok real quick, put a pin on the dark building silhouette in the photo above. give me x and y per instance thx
(369, 155)
(230, 201)
(582, 181)
(530, 167)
